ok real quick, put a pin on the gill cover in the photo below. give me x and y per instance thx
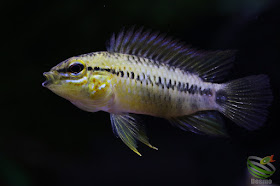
(97, 93)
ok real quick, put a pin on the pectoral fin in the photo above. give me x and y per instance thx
(126, 127)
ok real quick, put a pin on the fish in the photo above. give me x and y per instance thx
(267, 159)
(144, 72)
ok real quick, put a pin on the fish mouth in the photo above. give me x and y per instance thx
(49, 79)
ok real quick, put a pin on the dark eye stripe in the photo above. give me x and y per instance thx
(63, 70)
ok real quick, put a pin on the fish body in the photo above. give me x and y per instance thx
(267, 159)
(145, 73)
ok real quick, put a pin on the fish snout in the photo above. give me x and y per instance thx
(50, 77)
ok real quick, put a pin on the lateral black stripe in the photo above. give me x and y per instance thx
(159, 81)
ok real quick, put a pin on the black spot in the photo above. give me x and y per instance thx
(172, 86)
(190, 89)
(200, 91)
(186, 87)
(182, 89)
(204, 92)
(122, 74)
(165, 83)
(179, 86)
(168, 84)
(144, 77)
(221, 96)
(89, 68)
(149, 80)
(132, 75)
(101, 69)
(194, 89)
(208, 92)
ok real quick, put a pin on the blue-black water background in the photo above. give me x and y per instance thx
(44, 140)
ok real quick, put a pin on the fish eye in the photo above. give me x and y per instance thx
(76, 68)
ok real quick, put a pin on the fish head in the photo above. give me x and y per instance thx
(75, 80)
(67, 78)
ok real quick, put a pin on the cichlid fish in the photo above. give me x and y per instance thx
(148, 73)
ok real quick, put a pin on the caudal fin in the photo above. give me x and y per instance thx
(245, 100)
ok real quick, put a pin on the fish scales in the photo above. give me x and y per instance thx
(146, 73)
(154, 91)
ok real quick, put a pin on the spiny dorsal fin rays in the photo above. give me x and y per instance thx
(119, 39)
(127, 39)
(141, 45)
(133, 40)
(148, 46)
(111, 43)
(126, 127)
(210, 66)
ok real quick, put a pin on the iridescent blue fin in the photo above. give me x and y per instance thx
(205, 122)
(209, 65)
(129, 130)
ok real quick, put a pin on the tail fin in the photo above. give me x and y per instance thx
(245, 100)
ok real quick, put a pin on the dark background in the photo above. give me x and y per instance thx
(44, 140)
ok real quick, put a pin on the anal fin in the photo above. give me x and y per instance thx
(205, 122)
(127, 128)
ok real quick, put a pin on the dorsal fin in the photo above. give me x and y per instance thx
(209, 65)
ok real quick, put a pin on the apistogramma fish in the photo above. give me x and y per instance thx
(148, 73)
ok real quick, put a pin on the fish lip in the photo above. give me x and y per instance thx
(49, 79)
